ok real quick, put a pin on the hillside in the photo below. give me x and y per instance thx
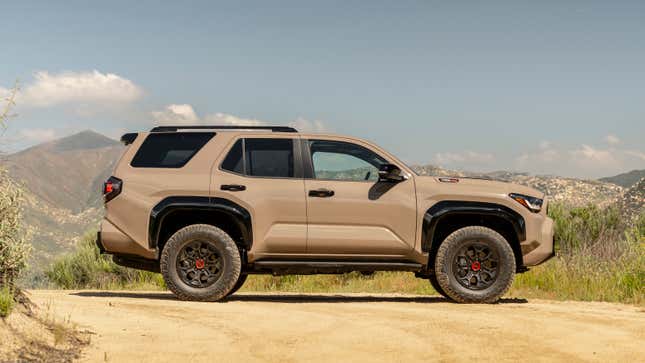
(625, 180)
(66, 173)
(62, 180)
(569, 190)
(633, 200)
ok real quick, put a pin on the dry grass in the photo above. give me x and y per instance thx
(34, 335)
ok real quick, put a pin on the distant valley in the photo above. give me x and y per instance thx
(62, 181)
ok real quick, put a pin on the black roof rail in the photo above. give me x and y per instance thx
(223, 127)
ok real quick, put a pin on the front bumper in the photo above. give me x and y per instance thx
(539, 248)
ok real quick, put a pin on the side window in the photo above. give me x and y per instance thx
(169, 150)
(234, 161)
(338, 160)
(271, 158)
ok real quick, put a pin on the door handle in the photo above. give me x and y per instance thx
(233, 187)
(321, 193)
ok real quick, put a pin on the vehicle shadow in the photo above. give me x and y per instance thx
(290, 298)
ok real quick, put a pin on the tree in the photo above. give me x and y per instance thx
(14, 249)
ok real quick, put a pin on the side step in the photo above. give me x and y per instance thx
(136, 262)
(330, 267)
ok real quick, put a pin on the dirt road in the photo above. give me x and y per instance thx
(154, 327)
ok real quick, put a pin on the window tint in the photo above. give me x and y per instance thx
(344, 161)
(169, 150)
(234, 161)
(269, 157)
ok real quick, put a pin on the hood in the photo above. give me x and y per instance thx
(473, 185)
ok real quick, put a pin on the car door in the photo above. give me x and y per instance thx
(264, 175)
(349, 212)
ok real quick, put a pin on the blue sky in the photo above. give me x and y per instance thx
(549, 87)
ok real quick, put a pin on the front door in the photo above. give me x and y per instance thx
(349, 212)
(264, 175)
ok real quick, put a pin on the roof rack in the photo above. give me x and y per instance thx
(223, 127)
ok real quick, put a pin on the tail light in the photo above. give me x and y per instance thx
(111, 188)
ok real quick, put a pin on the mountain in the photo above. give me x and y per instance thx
(66, 173)
(568, 190)
(625, 180)
(62, 180)
(633, 200)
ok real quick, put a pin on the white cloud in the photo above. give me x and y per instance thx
(466, 157)
(304, 125)
(587, 154)
(184, 114)
(227, 119)
(583, 161)
(636, 154)
(612, 139)
(78, 88)
(176, 114)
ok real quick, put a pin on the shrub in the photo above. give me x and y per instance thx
(6, 301)
(14, 249)
(87, 268)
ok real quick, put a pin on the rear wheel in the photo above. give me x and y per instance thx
(475, 265)
(200, 263)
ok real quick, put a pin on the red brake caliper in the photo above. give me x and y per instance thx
(199, 263)
(475, 266)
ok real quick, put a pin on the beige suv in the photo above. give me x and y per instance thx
(208, 205)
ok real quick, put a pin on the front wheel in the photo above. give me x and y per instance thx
(238, 284)
(437, 287)
(200, 263)
(475, 265)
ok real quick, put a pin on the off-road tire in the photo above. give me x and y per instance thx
(238, 284)
(444, 262)
(228, 253)
(437, 287)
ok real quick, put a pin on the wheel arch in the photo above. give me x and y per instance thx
(174, 213)
(448, 216)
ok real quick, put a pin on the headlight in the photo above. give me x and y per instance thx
(531, 203)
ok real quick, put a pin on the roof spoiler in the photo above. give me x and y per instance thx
(128, 139)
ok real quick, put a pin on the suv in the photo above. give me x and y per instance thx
(208, 205)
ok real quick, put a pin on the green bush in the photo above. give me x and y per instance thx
(87, 268)
(14, 250)
(6, 301)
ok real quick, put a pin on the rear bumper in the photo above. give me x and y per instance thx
(99, 244)
(112, 240)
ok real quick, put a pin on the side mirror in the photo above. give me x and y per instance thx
(390, 173)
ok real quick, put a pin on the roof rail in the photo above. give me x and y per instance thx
(223, 127)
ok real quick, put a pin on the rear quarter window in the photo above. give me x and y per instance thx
(169, 150)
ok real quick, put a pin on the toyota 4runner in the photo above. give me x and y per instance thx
(209, 205)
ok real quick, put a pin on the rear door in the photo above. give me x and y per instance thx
(264, 175)
(349, 212)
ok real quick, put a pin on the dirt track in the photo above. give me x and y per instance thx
(154, 327)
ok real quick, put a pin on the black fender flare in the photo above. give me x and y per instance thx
(168, 205)
(437, 212)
